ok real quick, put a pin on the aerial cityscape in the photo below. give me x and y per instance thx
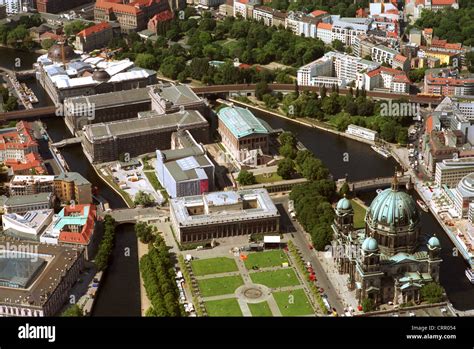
(237, 158)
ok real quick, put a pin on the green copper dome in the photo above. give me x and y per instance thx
(434, 242)
(370, 244)
(393, 208)
(344, 204)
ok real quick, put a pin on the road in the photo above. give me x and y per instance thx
(301, 241)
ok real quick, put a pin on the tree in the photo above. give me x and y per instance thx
(145, 60)
(287, 138)
(338, 45)
(287, 151)
(321, 236)
(47, 43)
(368, 305)
(75, 27)
(286, 168)
(261, 89)
(246, 178)
(432, 292)
(73, 311)
(313, 169)
(143, 199)
(344, 189)
(145, 232)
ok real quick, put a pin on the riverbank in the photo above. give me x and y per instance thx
(144, 301)
(302, 121)
(38, 51)
(104, 179)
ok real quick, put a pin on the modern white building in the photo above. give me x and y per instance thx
(464, 195)
(16, 6)
(450, 171)
(346, 29)
(362, 132)
(338, 65)
(263, 14)
(324, 32)
(29, 225)
(383, 54)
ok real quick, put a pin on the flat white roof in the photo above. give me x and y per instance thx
(271, 239)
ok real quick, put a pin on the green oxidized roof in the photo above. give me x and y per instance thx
(241, 122)
(344, 204)
(370, 244)
(393, 208)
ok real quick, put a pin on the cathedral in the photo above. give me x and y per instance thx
(385, 261)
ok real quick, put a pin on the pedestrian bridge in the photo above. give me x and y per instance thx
(133, 215)
(66, 142)
(374, 183)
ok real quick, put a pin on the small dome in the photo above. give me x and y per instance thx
(344, 204)
(101, 75)
(434, 242)
(370, 244)
(56, 55)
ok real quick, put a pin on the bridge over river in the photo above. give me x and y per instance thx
(374, 183)
(133, 215)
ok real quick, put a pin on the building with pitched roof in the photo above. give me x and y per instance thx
(94, 37)
(244, 135)
(74, 226)
(132, 15)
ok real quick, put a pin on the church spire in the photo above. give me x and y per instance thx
(395, 181)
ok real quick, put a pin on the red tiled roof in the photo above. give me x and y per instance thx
(373, 73)
(326, 26)
(429, 124)
(402, 78)
(83, 237)
(49, 35)
(33, 162)
(22, 138)
(134, 7)
(318, 13)
(361, 13)
(443, 2)
(428, 30)
(94, 29)
(400, 58)
(162, 16)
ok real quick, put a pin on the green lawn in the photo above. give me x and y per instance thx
(268, 178)
(359, 215)
(223, 307)
(275, 278)
(266, 259)
(219, 286)
(293, 303)
(213, 266)
(260, 309)
(153, 180)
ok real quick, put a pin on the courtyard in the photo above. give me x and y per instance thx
(251, 284)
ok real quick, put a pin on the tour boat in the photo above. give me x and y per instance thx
(384, 152)
(423, 206)
(470, 275)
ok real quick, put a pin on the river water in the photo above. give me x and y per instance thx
(120, 291)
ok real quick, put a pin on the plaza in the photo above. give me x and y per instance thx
(250, 284)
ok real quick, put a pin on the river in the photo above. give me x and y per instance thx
(120, 294)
